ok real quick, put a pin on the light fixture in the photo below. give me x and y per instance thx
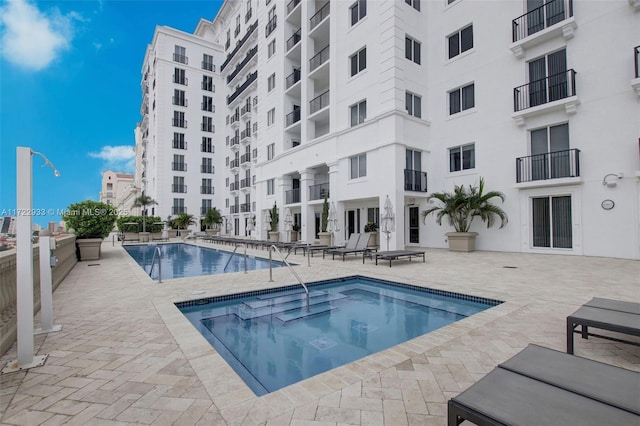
(611, 183)
(47, 163)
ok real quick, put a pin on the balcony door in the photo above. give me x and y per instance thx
(548, 78)
(413, 167)
(550, 156)
(414, 225)
(541, 15)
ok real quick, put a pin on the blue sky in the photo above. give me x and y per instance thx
(70, 88)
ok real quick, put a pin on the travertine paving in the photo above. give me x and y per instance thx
(127, 356)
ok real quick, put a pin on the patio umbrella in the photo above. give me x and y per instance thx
(266, 222)
(332, 220)
(250, 226)
(388, 220)
(288, 222)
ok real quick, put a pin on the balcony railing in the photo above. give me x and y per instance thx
(636, 51)
(180, 80)
(319, 16)
(180, 167)
(239, 45)
(234, 141)
(245, 183)
(179, 188)
(551, 165)
(250, 79)
(293, 117)
(248, 15)
(250, 54)
(208, 127)
(271, 25)
(236, 31)
(245, 207)
(292, 78)
(294, 39)
(245, 109)
(234, 209)
(245, 158)
(246, 133)
(178, 144)
(415, 180)
(180, 58)
(179, 101)
(542, 17)
(319, 59)
(319, 102)
(206, 189)
(179, 123)
(206, 168)
(292, 5)
(319, 191)
(234, 186)
(234, 163)
(549, 89)
(208, 66)
(292, 196)
(234, 118)
(178, 209)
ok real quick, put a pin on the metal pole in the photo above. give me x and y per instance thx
(308, 254)
(46, 291)
(270, 266)
(245, 258)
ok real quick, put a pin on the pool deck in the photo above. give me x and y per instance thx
(126, 354)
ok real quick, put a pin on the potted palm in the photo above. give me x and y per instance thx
(372, 228)
(182, 221)
(212, 221)
(143, 201)
(274, 234)
(462, 206)
(324, 237)
(91, 221)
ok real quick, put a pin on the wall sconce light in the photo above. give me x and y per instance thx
(611, 183)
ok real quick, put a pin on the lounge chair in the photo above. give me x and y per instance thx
(360, 247)
(351, 244)
(541, 386)
(397, 254)
(605, 314)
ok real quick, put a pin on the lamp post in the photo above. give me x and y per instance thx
(24, 260)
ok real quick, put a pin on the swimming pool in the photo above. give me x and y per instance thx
(271, 341)
(185, 260)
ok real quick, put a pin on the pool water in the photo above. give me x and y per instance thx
(185, 260)
(270, 339)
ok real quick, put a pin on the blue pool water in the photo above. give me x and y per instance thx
(271, 341)
(186, 260)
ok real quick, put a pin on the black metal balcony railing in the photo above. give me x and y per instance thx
(180, 80)
(234, 209)
(206, 168)
(245, 134)
(319, 102)
(234, 141)
(319, 59)
(319, 191)
(208, 147)
(248, 15)
(179, 101)
(178, 209)
(542, 17)
(180, 58)
(208, 127)
(292, 78)
(636, 52)
(245, 208)
(551, 165)
(415, 180)
(271, 26)
(234, 118)
(294, 39)
(250, 79)
(250, 29)
(250, 54)
(549, 89)
(206, 189)
(319, 16)
(207, 106)
(245, 158)
(179, 167)
(179, 144)
(245, 183)
(234, 163)
(179, 188)
(245, 109)
(179, 123)
(292, 5)
(234, 186)
(293, 117)
(206, 65)
(292, 196)
(207, 85)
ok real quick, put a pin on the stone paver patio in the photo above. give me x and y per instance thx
(126, 354)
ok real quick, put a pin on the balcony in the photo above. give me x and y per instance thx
(319, 16)
(234, 120)
(547, 94)
(179, 144)
(179, 188)
(179, 167)
(245, 134)
(239, 45)
(234, 164)
(179, 123)
(236, 31)
(180, 58)
(319, 102)
(294, 39)
(552, 19)
(234, 209)
(635, 83)
(319, 59)
(234, 186)
(178, 209)
(551, 165)
(245, 158)
(208, 66)
(178, 101)
(239, 89)
(208, 127)
(246, 109)
(293, 117)
(319, 191)
(292, 5)
(271, 26)
(206, 189)
(415, 180)
(250, 55)
(245, 208)
(180, 80)
(292, 196)
(292, 78)
(248, 15)
(206, 168)
(234, 141)
(245, 183)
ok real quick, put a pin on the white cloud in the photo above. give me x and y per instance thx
(117, 158)
(32, 38)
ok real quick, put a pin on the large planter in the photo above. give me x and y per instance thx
(212, 232)
(324, 238)
(89, 248)
(294, 236)
(462, 241)
(373, 239)
(172, 233)
(274, 236)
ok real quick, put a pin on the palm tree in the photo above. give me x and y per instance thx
(465, 203)
(212, 218)
(144, 201)
(184, 220)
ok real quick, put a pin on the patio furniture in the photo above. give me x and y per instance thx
(398, 254)
(541, 386)
(360, 247)
(605, 314)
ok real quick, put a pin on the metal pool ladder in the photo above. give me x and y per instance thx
(157, 251)
(234, 252)
(295, 274)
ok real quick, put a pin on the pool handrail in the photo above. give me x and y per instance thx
(295, 274)
(159, 252)
(234, 252)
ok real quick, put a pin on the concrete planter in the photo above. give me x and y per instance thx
(462, 241)
(373, 240)
(294, 236)
(325, 238)
(274, 236)
(89, 248)
(172, 233)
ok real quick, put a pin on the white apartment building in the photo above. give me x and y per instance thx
(179, 141)
(363, 99)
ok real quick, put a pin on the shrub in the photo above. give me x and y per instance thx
(90, 219)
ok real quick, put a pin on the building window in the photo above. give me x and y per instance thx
(414, 3)
(413, 104)
(460, 41)
(358, 61)
(206, 206)
(462, 99)
(179, 76)
(207, 166)
(207, 83)
(271, 82)
(179, 98)
(180, 55)
(271, 116)
(358, 11)
(178, 163)
(207, 62)
(226, 202)
(178, 141)
(178, 206)
(178, 185)
(207, 103)
(207, 124)
(373, 215)
(271, 151)
(271, 186)
(358, 113)
(552, 224)
(462, 158)
(412, 49)
(550, 153)
(358, 166)
(178, 119)
(207, 145)
(271, 48)
(236, 32)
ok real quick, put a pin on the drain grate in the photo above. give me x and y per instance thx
(93, 264)
(510, 267)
